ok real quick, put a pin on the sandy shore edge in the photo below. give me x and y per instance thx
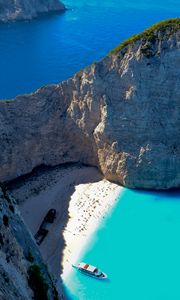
(89, 204)
(81, 197)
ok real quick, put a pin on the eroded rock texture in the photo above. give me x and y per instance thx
(121, 114)
(11, 10)
(19, 253)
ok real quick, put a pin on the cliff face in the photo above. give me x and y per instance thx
(121, 114)
(20, 259)
(11, 10)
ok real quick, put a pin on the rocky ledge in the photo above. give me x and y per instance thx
(11, 10)
(121, 114)
(23, 275)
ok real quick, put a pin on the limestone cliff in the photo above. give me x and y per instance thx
(11, 10)
(23, 276)
(121, 114)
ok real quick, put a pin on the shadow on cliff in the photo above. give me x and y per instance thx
(54, 244)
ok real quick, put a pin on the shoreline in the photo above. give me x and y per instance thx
(80, 230)
(81, 197)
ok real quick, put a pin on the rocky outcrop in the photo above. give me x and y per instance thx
(121, 114)
(11, 10)
(22, 272)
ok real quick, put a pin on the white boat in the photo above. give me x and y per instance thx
(90, 270)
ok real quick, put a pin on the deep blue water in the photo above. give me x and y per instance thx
(138, 245)
(51, 49)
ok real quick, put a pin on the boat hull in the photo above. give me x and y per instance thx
(94, 276)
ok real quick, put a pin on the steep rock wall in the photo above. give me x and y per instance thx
(122, 114)
(11, 10)
(18, 253)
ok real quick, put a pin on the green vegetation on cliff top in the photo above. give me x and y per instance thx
(150, 34)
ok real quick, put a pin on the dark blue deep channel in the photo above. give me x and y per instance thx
(51, 49)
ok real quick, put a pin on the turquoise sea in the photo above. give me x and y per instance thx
(138, 246)
(51, 49)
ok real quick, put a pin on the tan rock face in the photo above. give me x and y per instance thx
(11, 10)
(121, 114)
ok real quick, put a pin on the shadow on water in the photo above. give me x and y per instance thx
(68, 295)
(160, 195)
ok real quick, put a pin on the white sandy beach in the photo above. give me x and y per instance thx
(81, 197)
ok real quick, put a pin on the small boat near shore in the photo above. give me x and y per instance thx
(90, 270)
